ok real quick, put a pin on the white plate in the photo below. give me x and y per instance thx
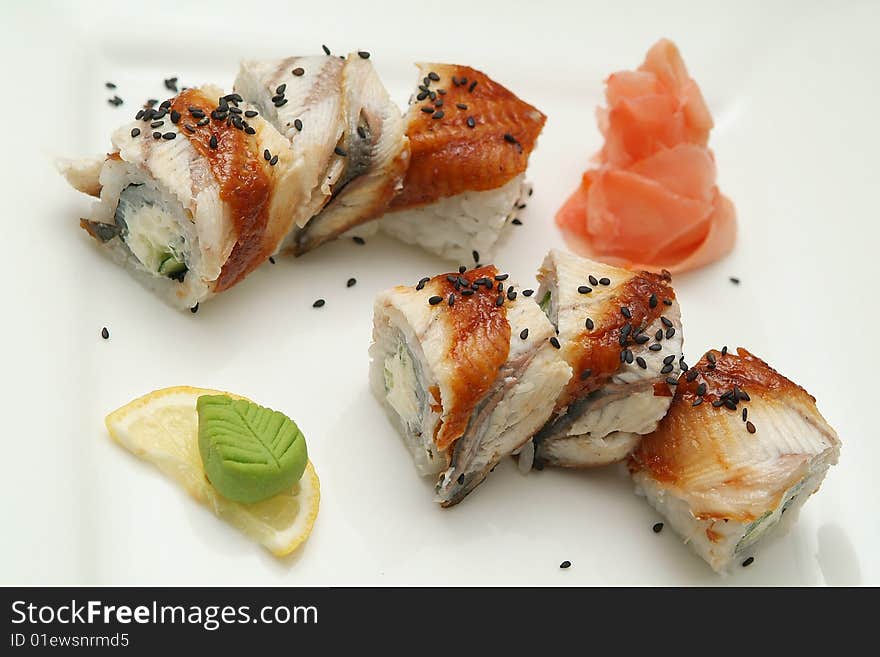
(792, 90)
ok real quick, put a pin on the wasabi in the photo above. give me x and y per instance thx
(249, 452)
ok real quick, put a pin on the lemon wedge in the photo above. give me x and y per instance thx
(162, 428)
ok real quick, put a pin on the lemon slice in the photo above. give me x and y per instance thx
(162, 428)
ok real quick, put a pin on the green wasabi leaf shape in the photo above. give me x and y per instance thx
(249, 452)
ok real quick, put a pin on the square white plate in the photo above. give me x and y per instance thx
(794, 94)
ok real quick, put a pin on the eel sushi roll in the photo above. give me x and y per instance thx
(467, 370)
(194, 195)
(341, 123)
(620, 331)
(739, 453)
(470, 140)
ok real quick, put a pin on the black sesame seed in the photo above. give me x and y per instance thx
(666, 322)
(528, 292)
(194, 309)
(267, 155)
(470, 122)
(604, 281)
(189, 127)
(583, 289)
(139, 115)
(589, 324)
(116, 101)
(467, 292)
(682, 365)
(359, 240)
(698, 401)
(734, 280)
(157, 124)
(667, 302)
(175, 116)
(666, 369)
(171, 84)
(280, 89)
(641, 362)
(427, 109)
(461, 106)
(565, 564)
(750, 427)
(669, 359)
(642, 339)
(669, 333)
(422, 283)
(710, 357)
(422, 95)
(511, 294)
(105, 333)
(718, 403)
(340, 151)
(273, 161)
(433, 76)
(625, 312)
(744, 395)
(516, 222)
(652, 302)
(745, 414)
(298, 71)
(135, 132)
(692, 374)
(437, 115)
(730, 404)
(499, 300)
(724, 350)
(213, 141)
(250, 113)
(672, 381)
(509, 138)
(203, 121)
(169, 135)
(658, 527)
(325, 49)
(298, 124)
(555, 342)
(748, 562)
(586, 374)
(110, 85)
(654, 347)
(473, 86)
(502, 277)
(524, 334)
(701, 389)
(451, 299)
(363, 54)
(157, 135)
(318, 303)
(280, 103)
(593, 280)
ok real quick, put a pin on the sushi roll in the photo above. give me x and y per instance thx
(194, 195)
(339, 119)
(467, 370)
(620, 331)
(739, 453)
(470, 141)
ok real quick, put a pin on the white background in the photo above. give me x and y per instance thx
(793, 88)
